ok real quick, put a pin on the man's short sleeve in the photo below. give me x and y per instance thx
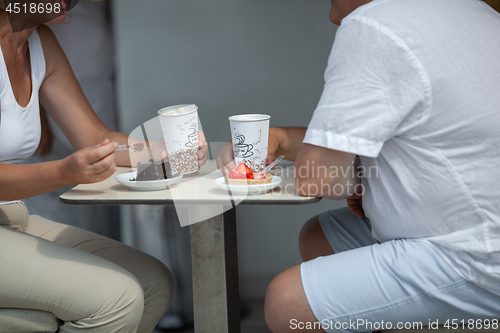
(375, 89)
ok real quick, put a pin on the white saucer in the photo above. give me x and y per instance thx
(146, 185)
(248, 189)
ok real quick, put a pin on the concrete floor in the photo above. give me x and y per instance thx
(252, 320)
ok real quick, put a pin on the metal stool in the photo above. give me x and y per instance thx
(27, 321)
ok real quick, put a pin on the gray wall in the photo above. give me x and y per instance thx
(229, 57)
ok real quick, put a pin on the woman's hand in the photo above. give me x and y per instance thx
(91, 164)
(203, 148)
(158, 148)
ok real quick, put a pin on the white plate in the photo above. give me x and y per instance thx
(146, 185)
(248, 189)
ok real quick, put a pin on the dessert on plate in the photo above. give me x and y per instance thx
(153, 170)
(243, 175)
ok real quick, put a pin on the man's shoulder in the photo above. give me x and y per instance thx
(405, 11)
(421, 21)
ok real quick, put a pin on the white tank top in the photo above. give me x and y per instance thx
(20, 127)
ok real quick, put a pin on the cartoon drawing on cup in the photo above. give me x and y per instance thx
(179, 125)
(242, 149)
(193, 137)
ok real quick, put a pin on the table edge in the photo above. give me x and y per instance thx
(111, 202)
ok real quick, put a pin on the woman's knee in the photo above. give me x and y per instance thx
(163, 281)
(121, 306)
(312, 241)
(157, 282)
(133, 302)
(138, 298)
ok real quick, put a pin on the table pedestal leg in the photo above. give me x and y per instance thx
(215, 271)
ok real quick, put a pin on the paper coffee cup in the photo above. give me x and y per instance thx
(250, 133)
(179, 124)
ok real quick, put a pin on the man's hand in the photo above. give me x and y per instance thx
(225, 160)
(355, 204)
(273, 144)
(90, 165)
(281, 141)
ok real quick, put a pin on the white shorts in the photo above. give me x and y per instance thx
(369, 286)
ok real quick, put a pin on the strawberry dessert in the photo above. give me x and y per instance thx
(243, 175)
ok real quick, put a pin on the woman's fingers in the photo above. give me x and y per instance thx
(107, 168)
(201, 139)
(202, 148)
(203, 154)
(100, 151)
(96, 164)
(158, 149)
(104, 164)
(163, 155)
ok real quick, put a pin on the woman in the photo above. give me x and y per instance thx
(91, 283)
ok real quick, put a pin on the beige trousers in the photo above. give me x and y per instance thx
(91, 283)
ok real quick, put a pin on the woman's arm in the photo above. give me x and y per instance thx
(95, 158)
(45, 145)
(63, 98)
(88, 165)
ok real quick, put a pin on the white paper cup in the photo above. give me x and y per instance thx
(250, 133)
(179, 124)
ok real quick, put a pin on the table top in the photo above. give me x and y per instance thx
(198, 189)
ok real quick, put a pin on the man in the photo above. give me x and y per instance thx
(411, 88)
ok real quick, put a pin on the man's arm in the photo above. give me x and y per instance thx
(285, 141)
(282, 141)
(323, 172)
(320, 172)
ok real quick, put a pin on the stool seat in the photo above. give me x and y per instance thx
(27, 321)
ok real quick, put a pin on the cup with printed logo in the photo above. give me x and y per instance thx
(179, 124)
(249, 134)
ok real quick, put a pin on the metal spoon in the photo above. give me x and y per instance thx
(136, 147)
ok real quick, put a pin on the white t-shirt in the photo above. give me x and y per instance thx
(413, 88)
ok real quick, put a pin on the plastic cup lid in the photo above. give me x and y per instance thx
(176, 110)
(249, 117)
